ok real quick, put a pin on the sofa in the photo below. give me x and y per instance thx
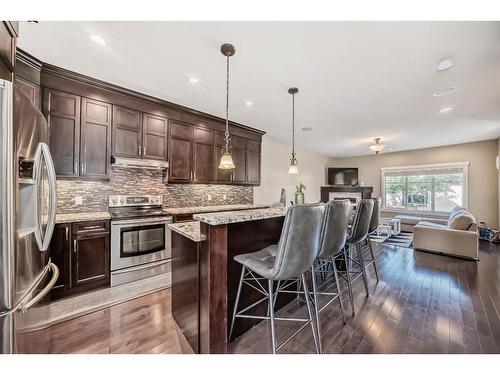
(458, 237)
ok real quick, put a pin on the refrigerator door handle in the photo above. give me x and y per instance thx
(43, 153)
(45, 290)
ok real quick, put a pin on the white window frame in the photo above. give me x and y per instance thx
(465, 198)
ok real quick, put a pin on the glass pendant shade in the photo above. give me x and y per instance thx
(377, 146)
(226, 161)
(293, 169)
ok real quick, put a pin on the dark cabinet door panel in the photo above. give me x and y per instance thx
(30, 89)
(253, 167)
(62, 111)
(180, 130)
(240, 160)
(127, 132)
(180, 160)
(95, 146)
(59, 253)
(203, 162)
(202, 135)
(155, 137)
(90, 260)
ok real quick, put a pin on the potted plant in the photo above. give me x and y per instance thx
(299, 194)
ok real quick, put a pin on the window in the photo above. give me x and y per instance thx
(435, 188)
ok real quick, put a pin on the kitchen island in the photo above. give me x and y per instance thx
(205, 277)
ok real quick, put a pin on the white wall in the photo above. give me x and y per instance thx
(275, 163)
(484, 179)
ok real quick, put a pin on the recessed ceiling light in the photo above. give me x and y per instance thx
(249, 104)
(445, 91)
(193, 80)
(307, 129)
(446, 109)
(445, 64)
(97, 39)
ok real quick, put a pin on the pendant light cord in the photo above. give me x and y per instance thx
(227, 105)
(293, 128)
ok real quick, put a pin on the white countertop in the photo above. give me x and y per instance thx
(229, 217)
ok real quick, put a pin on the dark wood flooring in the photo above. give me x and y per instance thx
(423, 303)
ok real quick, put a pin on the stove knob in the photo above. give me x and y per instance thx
(114, 201)
(122, 200)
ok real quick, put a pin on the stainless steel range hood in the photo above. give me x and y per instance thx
(138, 163)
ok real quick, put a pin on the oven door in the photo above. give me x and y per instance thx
(139, 241)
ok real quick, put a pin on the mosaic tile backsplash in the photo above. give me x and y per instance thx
(136, 181)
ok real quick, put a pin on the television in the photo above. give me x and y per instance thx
(343, 176)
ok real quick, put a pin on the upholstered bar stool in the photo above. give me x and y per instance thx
(285, 262)
(374, 223)
(333, 240)
(357, 235)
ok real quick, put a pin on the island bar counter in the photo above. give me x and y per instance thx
(203, 269)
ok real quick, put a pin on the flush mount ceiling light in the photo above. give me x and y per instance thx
(249, 104)
(293, 169)
(226, 161)
(377, 147)
(193, 80)
(98, 39)
(446, 109)
(307, 129)
(444, 65)
(445, 91)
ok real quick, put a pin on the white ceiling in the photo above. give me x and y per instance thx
(357, 80)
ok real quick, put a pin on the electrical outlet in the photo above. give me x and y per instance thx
(224, 197)
(78, 200)
(209, 197)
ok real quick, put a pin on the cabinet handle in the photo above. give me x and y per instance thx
(139, 150)
(91, 227)
(67, 233)
(75, 245)
(144, 150)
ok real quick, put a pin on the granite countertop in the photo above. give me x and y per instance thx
(201, 209)
(189, 229)
(220, 218)
(82, 216)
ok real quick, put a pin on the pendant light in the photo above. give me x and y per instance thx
(377, 147)
(293, 169)
(226, 161)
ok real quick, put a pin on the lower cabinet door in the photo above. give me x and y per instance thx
(90, 261)
(59, 253)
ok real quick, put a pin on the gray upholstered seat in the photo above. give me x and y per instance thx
(261, 262)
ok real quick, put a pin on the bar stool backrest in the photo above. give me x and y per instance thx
(361, 222)
(377, 203)
(335, 226)
(299, 242)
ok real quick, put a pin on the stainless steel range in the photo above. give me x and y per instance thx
(140, 239)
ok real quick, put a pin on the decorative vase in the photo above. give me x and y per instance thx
(299, 197)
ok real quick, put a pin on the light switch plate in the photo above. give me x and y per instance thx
(78, 200)
(209, 197)
(224, 197)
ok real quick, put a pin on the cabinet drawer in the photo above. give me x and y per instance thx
(90, 227)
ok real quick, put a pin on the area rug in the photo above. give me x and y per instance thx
(402, 239)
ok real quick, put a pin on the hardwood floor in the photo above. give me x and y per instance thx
(424, 303)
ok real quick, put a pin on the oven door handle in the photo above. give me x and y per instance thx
(139, 223)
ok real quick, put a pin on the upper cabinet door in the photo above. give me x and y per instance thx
(30, 89)
(127, 132)
(240, 160)
(203, 155)
(180, 152)
(62, 111)
(220, 175)
(155, 131)
(253, 162)
(95, 139)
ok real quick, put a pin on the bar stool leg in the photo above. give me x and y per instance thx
(348, 275)
(362, 266)
(235, 310)
(373, 257)
(271, 314)
(337, 284)
(316, 305)
(309, 311)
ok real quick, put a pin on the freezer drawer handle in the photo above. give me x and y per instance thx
(44, 291)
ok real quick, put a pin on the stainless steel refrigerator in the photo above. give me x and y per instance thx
(28, 198)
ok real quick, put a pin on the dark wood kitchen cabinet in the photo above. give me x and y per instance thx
(95, 139)
(27, 77)
(62, 111)
(240, 160)
(30, 89)
(253, 162)
(180, 152)
(81, 251)
(155, 141)
(8, 42)
(203, 155)
(127, 132)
